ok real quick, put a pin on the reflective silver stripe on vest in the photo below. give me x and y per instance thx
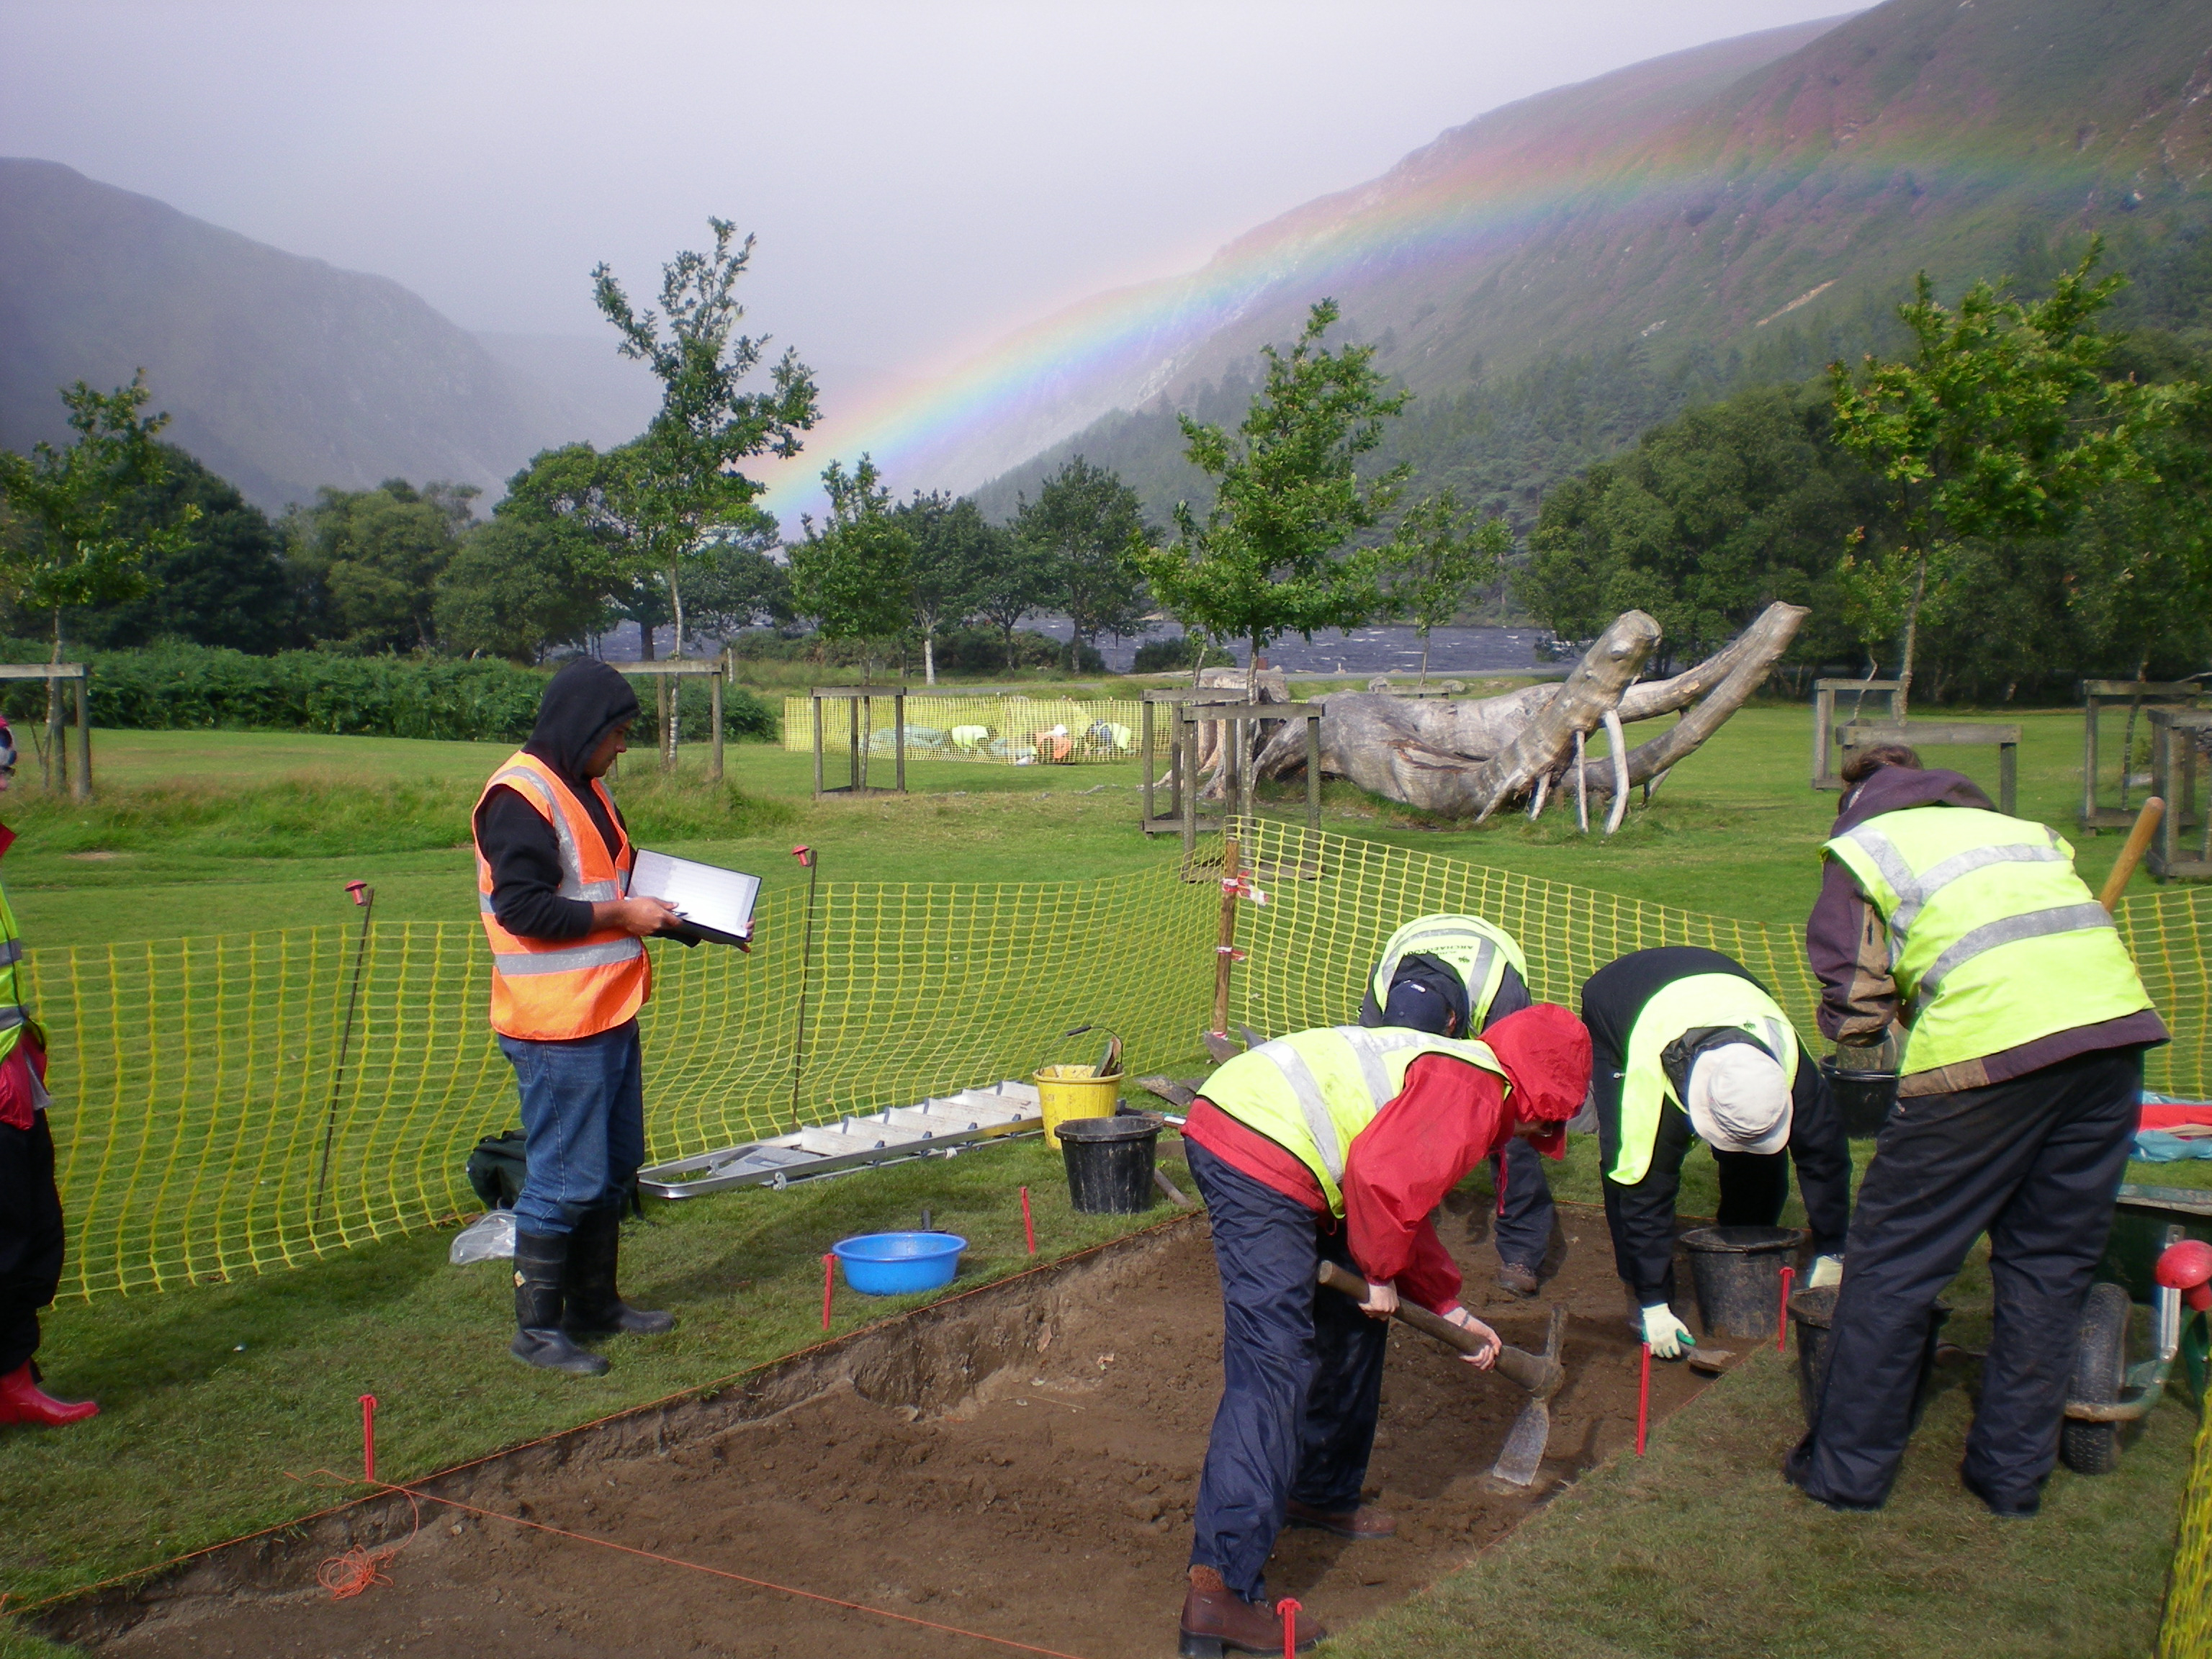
(1307, 1088)
(10, 1018)
(1888, 859)
(515, 963)
(10, 950)
(2010, 930)
(573, 885)
(1941, 875)
(1478, 976)
(1370, 1046)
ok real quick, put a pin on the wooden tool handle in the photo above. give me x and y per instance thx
(2131, 854)
(1540, 1377)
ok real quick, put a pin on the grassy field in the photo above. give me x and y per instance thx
(215, 1396)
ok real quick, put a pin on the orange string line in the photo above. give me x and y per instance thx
(738, 1577)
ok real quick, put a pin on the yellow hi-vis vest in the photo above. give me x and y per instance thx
(15, 1013)
(1690, 1004)
(1994, 941)
(1312, 1092)
(1479, 952)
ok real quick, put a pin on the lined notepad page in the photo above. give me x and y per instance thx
(702, 893)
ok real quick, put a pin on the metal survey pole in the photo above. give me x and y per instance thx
(364, 896)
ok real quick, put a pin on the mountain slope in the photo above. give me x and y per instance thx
(281, 372)
(1688, 210)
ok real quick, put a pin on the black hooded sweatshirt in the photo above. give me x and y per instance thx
(582, 704)
(1847, 947)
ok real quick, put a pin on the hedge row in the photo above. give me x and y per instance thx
(171, 687)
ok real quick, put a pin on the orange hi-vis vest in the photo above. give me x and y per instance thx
(550, 990)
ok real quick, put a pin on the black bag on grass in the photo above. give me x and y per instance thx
(497, 1166)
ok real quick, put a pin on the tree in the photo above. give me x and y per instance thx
(1438, 561)
(224, 585)
(738, 585)
(952, 548)
(513, 589)
(1016, 579)
(850, 575)
(682, 479)
(370, 561)
(2000, 425)
(1083, 523)
(1273, 555)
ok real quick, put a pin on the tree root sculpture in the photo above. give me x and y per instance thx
(1468, 759)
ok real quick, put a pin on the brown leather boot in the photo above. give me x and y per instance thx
(1362, 1523)
(1517, 1281)
(1216, 1620)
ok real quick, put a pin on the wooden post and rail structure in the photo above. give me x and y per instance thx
(53, 764)
(2097, 696)
(671, 673)
(1929, 734)
(1823, 720)
(859, 701)
(2177, 740)
(1189, 710)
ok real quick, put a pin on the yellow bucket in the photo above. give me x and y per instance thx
(1075, 1092)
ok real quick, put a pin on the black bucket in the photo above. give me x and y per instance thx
(1738, 1274)
(1812, 1313)
(1109, 1163)
(1864, 1098)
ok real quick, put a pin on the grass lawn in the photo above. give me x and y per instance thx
(213, 1395)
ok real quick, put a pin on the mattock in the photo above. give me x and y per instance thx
(1541, 1374)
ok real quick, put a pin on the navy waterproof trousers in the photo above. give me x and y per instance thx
(2035, 1163)
(31, 1237)
(1523, 1228)
(1302, 1376)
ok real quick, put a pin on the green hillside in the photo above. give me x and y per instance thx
(1556, 274)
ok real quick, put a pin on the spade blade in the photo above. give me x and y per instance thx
(1517, 1463)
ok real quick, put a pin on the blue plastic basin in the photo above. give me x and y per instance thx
(892, 1264)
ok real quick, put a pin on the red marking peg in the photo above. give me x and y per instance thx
(1643, 1400)
(1290, 1610)
(368, 1438)
(360, 890)
(1029, 1227)
(805, 855)
(829, 1285)
(1782, 1332)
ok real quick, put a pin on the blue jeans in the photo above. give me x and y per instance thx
(1302, 1375)
(583, 1122)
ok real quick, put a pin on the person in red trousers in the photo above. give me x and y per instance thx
(31, 1235)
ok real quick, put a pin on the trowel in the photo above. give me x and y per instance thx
(1541, 1374)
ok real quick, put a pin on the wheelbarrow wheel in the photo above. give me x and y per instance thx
(2099, 1369)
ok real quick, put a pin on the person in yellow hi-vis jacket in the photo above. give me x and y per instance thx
(2024, 1023)
(569, 972)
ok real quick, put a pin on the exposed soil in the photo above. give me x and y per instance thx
(1021, 1462)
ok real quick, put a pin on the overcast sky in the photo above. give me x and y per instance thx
(922, 176)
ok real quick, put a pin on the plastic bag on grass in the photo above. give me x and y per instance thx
(489, 1237)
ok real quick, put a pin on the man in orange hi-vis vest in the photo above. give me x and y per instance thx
(569, 972)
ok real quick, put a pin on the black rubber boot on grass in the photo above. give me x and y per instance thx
(595, 1306)
(541, 1267)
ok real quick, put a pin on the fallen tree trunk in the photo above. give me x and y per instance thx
(1468, 759)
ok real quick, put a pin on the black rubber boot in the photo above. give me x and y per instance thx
(541, 1265)
(595, 1306)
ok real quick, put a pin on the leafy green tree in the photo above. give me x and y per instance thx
(1275, 554)
(1709, 519)
(1438, 561)
(952, 548)
(225, 585)
(1083, 523)
(515, 588)
(76, 539)
(680, 482)
(1999, 425)
(370, 560)
(850, 574)
(738, 585)
(1016, 580)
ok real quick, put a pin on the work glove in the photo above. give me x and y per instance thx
(1667, 1335)
(1827, 1270)
(1879, 1054)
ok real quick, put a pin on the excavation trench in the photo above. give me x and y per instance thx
(1019, 1461)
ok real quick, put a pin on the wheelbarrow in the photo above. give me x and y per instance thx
(2160, 1254)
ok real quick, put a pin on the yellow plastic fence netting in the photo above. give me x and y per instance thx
(1011, 730)
(205, 1129)
(2186, 1630)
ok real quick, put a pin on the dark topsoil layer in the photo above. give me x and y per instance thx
(1021, 1461)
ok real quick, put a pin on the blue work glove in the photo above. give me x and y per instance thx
(1666, 1334)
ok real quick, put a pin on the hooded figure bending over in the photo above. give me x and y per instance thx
(569, 972)
(1337, 1145)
